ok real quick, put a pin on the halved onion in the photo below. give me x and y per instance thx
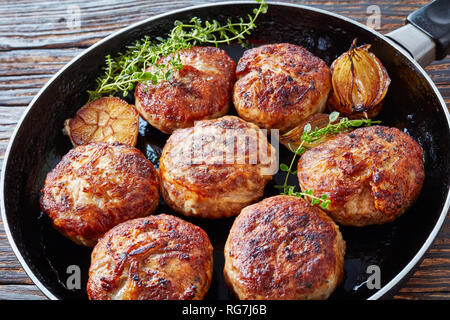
(108, 119)
(359, 83)
(292, 138)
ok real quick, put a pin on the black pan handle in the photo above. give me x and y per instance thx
(434, 20)
(426, 35)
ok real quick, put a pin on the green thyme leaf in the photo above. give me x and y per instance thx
(309, 136)
(122, 73)
(307, 128)
(333, 116)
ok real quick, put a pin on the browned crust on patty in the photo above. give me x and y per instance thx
(279, 85)
(96, 186)
(200, 90)
(158, 257)
(196, 179)
(283, 248)
(371, 175)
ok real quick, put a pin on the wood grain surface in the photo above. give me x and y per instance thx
(37, 38)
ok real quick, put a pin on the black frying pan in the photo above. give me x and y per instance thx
(412, 104)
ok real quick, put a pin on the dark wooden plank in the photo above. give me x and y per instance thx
(24, 72)
(20, 292)
(432, 278)
(35, 42)
(48, 21)
(11, 271)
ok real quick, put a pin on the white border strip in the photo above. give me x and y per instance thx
(375, 296)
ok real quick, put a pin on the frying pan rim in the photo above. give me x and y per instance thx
(382, 291)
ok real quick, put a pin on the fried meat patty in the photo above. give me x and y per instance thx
(282, 248)
(159, 257)
(371, 175)
(215, 168)
(200, 90)
(97, 186)
(279, 85)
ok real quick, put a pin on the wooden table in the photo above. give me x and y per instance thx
(37, 38)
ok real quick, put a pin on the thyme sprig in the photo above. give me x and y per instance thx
(309, 136)
(123, 72)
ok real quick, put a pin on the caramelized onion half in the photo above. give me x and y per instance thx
(292, 138)
(359, 83)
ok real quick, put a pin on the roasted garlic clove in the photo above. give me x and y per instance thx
(359, 83)
(292, 138)
(107, 119)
